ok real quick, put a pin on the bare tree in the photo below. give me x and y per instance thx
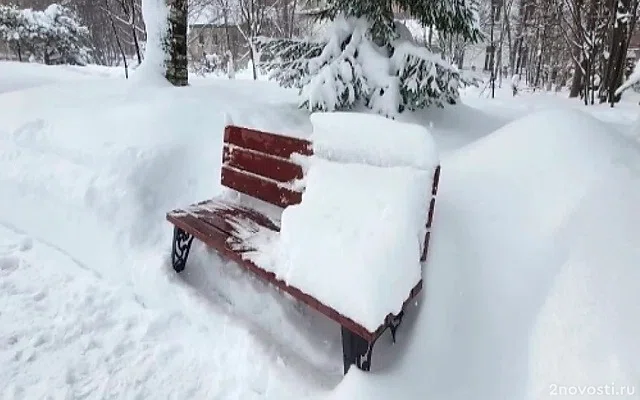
(115, 33)
(623, 15)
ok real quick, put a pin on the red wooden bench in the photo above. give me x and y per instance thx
(258, 164)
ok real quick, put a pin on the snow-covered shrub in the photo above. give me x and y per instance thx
(207, 64)
(11, 24)
(53, 36)
(346, 68)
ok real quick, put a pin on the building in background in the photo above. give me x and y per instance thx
(214, 37)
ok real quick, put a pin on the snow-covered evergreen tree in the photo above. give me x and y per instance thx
(363, 59)
(54, 35)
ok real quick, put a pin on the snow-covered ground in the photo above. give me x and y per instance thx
(531, 282)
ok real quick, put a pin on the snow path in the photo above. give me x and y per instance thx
(100, 341)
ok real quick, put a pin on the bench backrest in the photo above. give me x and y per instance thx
(258, 164)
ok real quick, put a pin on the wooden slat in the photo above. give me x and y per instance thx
(260, 188)
(274, 168)
(199, 229)
(265, 142)
(219, 213)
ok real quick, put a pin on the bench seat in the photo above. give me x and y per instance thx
(223, 224)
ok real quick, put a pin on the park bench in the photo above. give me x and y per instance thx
(259, 165)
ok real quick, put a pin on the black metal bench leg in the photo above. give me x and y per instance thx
(394, 324)
(180, 249)
(355, 350)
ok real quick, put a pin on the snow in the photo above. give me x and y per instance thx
(530, 283)
(357, 232)
(77, 336)
(532, 273)
(87, 172)
(372, 139)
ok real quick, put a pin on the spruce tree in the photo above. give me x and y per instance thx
(363, 60)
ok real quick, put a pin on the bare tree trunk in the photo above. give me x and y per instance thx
(227, 33)
(176, 70)
(507, 26)
(285, 18)
(576, 83)
(579, 63)
(136, 43)
(253, 61)
(253, 15)
(118, 42)
(617, 53)
(292, 18)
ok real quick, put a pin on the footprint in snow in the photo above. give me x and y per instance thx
(26, 244)
(8, 264)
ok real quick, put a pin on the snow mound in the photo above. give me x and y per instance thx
(358, 232)
(372, 139)
(20, 75)
(541, 298)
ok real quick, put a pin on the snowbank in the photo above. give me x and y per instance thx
(532, 274)
(19, 75)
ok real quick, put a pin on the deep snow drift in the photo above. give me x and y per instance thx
(87, 171)
(531, 284)
(531, 279)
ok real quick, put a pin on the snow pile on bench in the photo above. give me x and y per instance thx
(355, 241)
(372, 139)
